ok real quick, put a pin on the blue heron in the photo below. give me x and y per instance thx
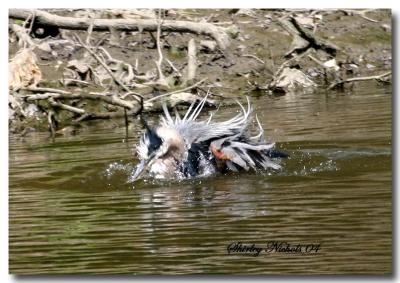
(184, 147)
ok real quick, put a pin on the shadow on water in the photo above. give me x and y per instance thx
(73, 209)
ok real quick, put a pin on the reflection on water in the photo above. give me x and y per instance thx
(73, 210)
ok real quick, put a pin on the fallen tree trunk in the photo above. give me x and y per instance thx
(48, 19)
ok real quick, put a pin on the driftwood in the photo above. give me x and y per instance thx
(46, 93)
(47, 19)
(86, 115)
(65, 106)
(304, 39)
(51, 95)
(359, 79)
(24, 39)
(131, 107)
(192, 62)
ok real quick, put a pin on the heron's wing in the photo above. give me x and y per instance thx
(194, 131)
(248, 156)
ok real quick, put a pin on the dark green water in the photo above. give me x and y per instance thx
(71, 209)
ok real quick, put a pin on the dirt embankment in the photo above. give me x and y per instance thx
(70, 66)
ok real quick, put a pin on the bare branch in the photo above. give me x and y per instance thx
(176, 91)
(58, 94)
(161, 77)
(173, 67)
(358, 79)
(361, 13)
(65, 106)
(50, 114)
(101, 62)
(254, 57)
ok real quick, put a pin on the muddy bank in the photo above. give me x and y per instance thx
(113, 74)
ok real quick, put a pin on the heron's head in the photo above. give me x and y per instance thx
(218, 148)
(159, 144)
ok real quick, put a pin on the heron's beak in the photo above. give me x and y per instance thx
(139, 169)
